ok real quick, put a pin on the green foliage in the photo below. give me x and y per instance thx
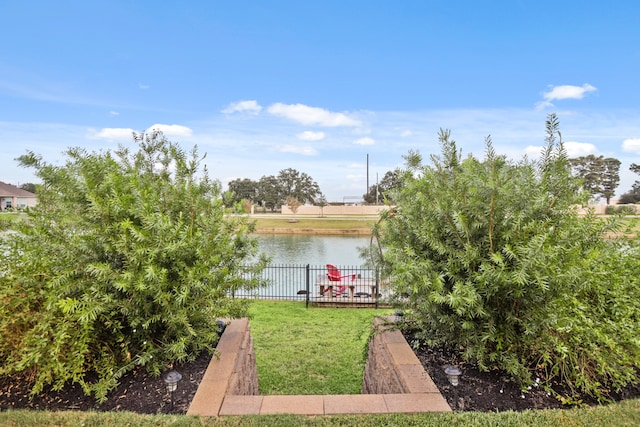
(243, 189)
(127, 261)
(298, 185)
(623, 210)
(383, 191)
(491, 257)
(271, 192)
(29, 186)
(600, 176)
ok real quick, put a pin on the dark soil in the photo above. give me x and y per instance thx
(138, 392)
(141, 393)
(491, 391)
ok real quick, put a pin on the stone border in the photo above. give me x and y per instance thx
(394, 381)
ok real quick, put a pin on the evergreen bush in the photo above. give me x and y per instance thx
(490, 257)
(126, 261)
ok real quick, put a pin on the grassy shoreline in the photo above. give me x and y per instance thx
(287, 224)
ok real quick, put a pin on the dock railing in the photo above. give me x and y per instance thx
(355, 285)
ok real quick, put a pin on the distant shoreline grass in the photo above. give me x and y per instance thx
(360, 225)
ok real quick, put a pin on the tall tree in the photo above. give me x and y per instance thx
(269, 193)
(590, 170)
(610, 177)
(600, 176)
(244, 189)
(296, 184)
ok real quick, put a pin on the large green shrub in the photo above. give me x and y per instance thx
(491, 257)
(126, 261)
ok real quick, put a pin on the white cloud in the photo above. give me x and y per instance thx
(353, 177)
(172, 130)
(249, 107)
(631, 145)
(364, 141)
(533, 151)
(306, 151)
(126, 134)
(564, 92)
(309, 135)
(579, 149)
(311, 115)
(114, 113)
(406, 133)
(112, 134)
(574, 149)
(143, 86)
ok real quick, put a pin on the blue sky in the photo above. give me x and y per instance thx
(317, 86)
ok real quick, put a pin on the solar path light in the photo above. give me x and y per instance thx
(171, 380)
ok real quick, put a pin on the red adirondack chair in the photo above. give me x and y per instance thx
(334, 275)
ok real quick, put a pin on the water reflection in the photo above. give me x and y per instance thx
(313, 249)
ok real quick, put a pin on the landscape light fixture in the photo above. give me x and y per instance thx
(453, 374)
(171, 380)
(399, 316)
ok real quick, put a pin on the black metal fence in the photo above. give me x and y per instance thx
(317, 284)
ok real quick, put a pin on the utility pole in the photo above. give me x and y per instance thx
(367, 190)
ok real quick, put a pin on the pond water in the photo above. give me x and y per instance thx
(290, 254)
(313, 249)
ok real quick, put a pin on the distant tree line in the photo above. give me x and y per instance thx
(599, 176)
(28, 186)
(382, 192)
(271, 192)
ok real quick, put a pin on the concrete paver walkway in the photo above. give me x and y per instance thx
(220, 393)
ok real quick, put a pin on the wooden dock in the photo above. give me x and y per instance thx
(360, 292)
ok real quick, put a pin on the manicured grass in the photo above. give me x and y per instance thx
(623, 414)
(11, 217)
(328, 223)
(310, 351)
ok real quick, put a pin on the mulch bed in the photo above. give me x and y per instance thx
(141, 393)
(491, 391)
(138, 392)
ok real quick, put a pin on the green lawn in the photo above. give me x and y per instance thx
(618, 415)
(310, 351)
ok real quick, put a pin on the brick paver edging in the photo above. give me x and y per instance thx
(394, 378)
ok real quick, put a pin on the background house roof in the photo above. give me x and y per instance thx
(8, 190)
